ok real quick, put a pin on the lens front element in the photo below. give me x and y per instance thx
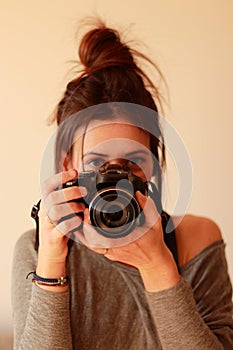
(114, 212)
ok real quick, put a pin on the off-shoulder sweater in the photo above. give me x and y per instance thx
(107, 307)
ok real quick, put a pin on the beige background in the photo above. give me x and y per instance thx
(192, 42)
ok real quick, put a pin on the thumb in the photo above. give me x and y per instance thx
(149, 209)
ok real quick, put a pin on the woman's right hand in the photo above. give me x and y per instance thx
(56, 219)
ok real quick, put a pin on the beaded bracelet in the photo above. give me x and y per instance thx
(62, 281)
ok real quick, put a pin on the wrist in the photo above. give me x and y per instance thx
(55, 254)
(51, 269)
(155, 281)
(50, 266)
(161, 273)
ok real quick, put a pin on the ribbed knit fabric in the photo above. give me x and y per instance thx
(107, 307)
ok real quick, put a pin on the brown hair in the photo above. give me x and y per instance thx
(110, 74)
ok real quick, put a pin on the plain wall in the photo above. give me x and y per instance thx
(192, 43)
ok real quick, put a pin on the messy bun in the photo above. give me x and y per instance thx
(110, 74)
(101, 48)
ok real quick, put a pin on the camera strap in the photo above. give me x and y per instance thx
(169, 234)
(170, 238)
(34, 214)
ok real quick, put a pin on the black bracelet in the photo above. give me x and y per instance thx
(62, 281)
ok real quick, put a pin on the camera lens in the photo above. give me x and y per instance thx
(113, 216)
(114, 212)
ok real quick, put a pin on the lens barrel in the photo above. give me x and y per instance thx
(114, 212)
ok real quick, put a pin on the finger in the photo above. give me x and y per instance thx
(60, 211)
(102, 251)
(69, 225)
(88, 230)
(47, 226)
(55, 181)
(152, 217)
(65, 195)
(93, 238)
(142, 199)
(87, 216)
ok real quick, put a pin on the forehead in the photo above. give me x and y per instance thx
(101, 133)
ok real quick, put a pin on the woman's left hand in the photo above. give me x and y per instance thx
(149, 253)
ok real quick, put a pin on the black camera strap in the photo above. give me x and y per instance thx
(170, 237)
(34, 214)
(169, 234)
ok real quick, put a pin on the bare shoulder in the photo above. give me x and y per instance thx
(193, 234)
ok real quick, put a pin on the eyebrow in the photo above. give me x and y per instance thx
(136, 152)
(130, 154)
(94, 154)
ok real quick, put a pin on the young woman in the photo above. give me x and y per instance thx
(144, 290)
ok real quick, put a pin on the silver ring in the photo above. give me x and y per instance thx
(49, 220)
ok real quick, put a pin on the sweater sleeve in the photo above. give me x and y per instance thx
(197, 312)
(41, 319)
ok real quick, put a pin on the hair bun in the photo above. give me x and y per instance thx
(101, 48)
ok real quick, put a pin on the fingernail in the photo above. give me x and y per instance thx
(83, 191)
(139, 193)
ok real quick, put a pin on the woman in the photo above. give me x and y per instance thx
(147, 290)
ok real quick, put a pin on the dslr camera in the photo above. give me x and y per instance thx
(113, 208)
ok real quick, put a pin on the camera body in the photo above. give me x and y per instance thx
(113, 208)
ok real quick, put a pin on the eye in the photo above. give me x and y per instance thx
(136, 161)
(94, 163)
(137, 164)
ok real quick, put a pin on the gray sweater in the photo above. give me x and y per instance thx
(107, 307)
